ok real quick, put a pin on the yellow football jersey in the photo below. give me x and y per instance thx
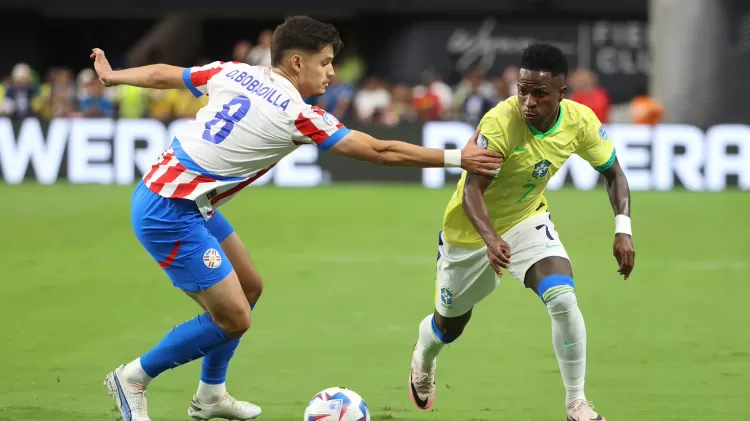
(531, 159)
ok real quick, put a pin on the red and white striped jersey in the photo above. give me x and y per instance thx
(254, 118)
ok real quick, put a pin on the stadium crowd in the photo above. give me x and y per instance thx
(352, 94)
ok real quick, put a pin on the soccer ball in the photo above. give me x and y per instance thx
(337, 404)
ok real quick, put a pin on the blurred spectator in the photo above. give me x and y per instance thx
(338, 96)
(62, 94)
(435, 86)
(260, 55)
(371, 101)
(42, 103)
(466, 88)
(83, 81)
(241, 52)
(3, 84)
(17, 102)
(163, 103)
(510, 75)
(476, 103)
(351, 66)
(644, 109)
(500, 89)
(476, 75)
(133, 101)
(400, 108)
(96, 104)
(427, 104)
(586, 90)
(187, 105)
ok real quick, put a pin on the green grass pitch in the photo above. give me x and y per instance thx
(348, 276)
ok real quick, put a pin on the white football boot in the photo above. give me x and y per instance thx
(421, 384)
(582, 410)
(227, 408)
(130, 398)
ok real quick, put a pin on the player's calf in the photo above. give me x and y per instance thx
(435, 331)
(568, 332)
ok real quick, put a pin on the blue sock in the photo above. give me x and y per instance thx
(216, 362)
(440, 335)
(186, 342)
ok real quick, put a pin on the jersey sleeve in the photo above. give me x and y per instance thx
(595, 147)
(196, 78)
(316, 126)
(492, 136)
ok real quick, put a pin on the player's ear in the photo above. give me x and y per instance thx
(563, 91)
(296, 62)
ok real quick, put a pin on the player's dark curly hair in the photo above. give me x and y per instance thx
(544, 57)
(303, 33)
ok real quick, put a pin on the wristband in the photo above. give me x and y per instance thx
(622, 225)
(452, 158)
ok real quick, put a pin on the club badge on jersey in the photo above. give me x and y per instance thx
(482, 141)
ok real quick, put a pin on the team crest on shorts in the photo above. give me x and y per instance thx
(541, 169)
(212, 258)
(446, 296)
(602, 132)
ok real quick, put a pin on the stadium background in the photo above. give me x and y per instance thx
(347, 249)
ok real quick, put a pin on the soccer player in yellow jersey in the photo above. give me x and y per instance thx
(499, 223)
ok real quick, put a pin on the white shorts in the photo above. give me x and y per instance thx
(465, 277)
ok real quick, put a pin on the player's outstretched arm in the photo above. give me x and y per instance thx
(395, 153)
(498, 251)
(619, 198)
(156, 76)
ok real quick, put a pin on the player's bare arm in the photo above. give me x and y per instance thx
(498, 251)
(155, 76)
(619, 197)
(395, 153)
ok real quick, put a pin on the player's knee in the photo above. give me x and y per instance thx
(558, 293)
(253, 294)
(448, 329)
(235, 323)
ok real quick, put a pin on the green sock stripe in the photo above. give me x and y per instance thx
(555, 292)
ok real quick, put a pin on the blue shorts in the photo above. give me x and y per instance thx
(184, 244)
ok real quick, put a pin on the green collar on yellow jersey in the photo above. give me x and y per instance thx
(552, 129)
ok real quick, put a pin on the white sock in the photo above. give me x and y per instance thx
(134, 373)
(428, 346)
(210, 394)
(569, 342)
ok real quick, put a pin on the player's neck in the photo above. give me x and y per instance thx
(294, 81)
(547, 124)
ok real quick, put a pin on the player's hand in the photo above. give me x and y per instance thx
(478, 160)
(624, 253)
(101, 65)
(499, 254)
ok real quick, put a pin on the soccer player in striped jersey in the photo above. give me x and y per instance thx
(254, 117)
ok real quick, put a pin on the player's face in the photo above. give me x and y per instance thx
(316, 71)
(539, 94)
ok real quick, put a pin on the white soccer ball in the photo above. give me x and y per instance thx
(337, 404)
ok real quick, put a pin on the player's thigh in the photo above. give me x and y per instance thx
(250, 280)
(536, 250)
(226, 304)
(463, 279)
